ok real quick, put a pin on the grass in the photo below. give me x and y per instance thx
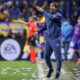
(70, 71)
(23, 70)
(74, 68)
(18, 70)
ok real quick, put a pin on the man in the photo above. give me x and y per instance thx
(52, 26)
(76, 39)
(66, 31)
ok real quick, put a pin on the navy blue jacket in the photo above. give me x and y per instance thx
(52, 24)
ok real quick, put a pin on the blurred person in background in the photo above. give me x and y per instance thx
(9, 17)
(5, 9)
(23, 4)
(17, 35)
(24, 34)
(21, 35)
(1, 5)
(74, 7)
(20, 17)
(34, 13)
(25, 14)
(62, 7)
(14, 11)
(34, 3)
(31, 38)
(76, 40)
(2, 15)
(30, 11)
(66, 31)
(9, 33)
(40, 38)
(74, 12)
(74, 18)
(9, 4)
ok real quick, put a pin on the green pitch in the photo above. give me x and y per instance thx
(70, 71)
(23, 70)
(18, 70)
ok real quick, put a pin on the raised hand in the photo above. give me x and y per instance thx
(39, 9)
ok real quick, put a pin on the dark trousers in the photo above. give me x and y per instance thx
(50, 45)
(66, 48)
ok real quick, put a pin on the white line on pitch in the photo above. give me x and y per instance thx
(41, 75)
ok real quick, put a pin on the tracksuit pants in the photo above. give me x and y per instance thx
(50, 46)
(66, 48)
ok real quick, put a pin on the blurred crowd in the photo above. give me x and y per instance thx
(18, 35)
(12, 10)
(75, 12)
(21, 10)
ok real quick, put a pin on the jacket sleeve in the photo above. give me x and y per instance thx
(69, 33)
(44, 27)
(52, 16)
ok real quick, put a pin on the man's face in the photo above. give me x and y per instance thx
(52, 7)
